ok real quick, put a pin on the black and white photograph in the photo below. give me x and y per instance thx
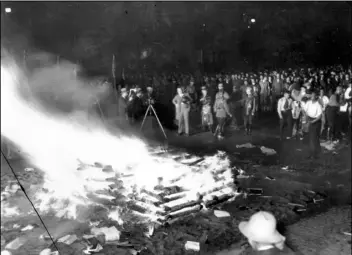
(176, 127)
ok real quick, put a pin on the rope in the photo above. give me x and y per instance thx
(19, 183)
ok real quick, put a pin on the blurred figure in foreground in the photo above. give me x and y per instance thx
(262, 236)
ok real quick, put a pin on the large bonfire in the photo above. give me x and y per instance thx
(85, 166)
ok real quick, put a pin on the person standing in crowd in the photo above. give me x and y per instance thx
(284, 110)
(221, 110)
(182, 102)
(271, 102)
(296, 119)
(314, 113)
(323, 100)
(130, 106)
(235, 99)
(256, 95)
(277, 89)
(139, 105)
(249, 107)
(322, 82)
(264, 93)
(348, 98)
(122, 106)
(191, 90)
(206, 113)
(332, 112)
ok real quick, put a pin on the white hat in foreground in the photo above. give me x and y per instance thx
(261, 228)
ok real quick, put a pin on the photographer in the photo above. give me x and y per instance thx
(122, 106)
(149, 97)
(131, 113)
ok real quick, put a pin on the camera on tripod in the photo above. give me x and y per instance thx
(150, 100)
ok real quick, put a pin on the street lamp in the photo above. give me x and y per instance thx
(8, 10)
(252, 20)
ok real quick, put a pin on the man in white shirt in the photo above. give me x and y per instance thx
(314, 111)
(284, 110)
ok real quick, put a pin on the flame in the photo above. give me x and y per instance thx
(57, 145)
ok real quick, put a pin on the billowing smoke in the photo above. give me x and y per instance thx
(57, 143)
(56, 87)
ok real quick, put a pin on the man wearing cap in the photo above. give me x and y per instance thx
(284, 110)
(262, 234)
(314, 111)
(235, 101)
(191, 90)
(182, 102)
(221, 110)
(206, 114)
(277, 88)
(249, 108)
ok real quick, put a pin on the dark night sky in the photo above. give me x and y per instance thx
(92, 31)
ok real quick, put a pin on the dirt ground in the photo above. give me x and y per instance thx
(289, 171)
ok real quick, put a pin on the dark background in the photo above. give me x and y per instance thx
(285, 34)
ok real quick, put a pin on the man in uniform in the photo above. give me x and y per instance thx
(206, 114)
(221, 110)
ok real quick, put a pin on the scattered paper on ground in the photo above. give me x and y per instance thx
(221, 214)
(246, 145)
(267, 151)
(111, 234)
(193, 246)
(328, 145)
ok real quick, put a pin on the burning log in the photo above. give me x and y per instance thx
(185, 211)
(219, 196)
(150, 199)
(147, 207)
(175, 196)
(158, 194)
(179, 204)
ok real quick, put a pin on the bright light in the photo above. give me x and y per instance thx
(253, 20)
(8, 10)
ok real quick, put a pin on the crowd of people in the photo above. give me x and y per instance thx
(309, 102)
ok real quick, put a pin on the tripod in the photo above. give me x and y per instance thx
(151, 108)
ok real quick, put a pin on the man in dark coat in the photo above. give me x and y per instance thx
(122, 106)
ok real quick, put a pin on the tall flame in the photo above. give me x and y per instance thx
(57, 144)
